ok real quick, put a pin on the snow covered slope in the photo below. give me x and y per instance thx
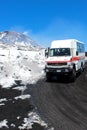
(21, 64)
(18, 39)
(20, 59)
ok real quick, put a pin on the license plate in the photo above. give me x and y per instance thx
(58, 71)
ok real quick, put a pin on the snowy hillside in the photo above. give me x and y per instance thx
(20, 66)
(19, 40)
(20, 57)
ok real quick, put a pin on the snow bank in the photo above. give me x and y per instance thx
(26, 66)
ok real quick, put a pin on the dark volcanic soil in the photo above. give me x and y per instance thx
(14, 111)
(62, 104)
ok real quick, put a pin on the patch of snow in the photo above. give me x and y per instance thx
(23, 96)
(18, 117)
(1, 104)
(33, 117)
(22, 88)
(3, 99)
(13, 125)
(4, 123)
(51, 128)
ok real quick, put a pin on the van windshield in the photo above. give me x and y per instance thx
(59, 52)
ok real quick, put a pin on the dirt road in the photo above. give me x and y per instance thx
(62, 104)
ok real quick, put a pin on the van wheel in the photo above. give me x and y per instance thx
(73, 77)
(82, 69)
(48, 77)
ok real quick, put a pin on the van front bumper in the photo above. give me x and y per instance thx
(59, 70)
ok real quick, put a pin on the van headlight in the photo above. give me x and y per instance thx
(70, 65)
(66, 70)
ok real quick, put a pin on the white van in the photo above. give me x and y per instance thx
(65, 57)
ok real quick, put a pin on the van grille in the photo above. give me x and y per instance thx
(58, 64)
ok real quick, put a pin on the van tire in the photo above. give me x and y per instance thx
(48, 77)
(82, 68)
(73, 76)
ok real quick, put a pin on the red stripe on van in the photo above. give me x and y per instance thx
(58, 61)
(76, 58)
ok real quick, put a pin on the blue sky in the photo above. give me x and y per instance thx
(45, 20)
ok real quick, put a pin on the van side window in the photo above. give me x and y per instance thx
(80, 47)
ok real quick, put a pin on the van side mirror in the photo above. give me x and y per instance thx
(47, 51)
(77, 53)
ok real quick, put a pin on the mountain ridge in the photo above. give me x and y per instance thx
(16, 38)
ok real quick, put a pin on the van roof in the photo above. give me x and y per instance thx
(64, 43)
(67, 40)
